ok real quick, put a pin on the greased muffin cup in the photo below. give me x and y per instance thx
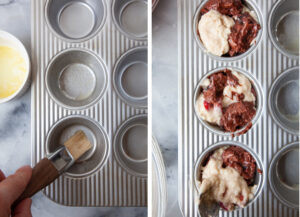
(76, 78)
(259, 177)
(259, 102)
(130, 77)
(284, 19)
(130, 17)
(132, 155)
(75, 20)
(284, 100)
(91, 161)
(284, 175)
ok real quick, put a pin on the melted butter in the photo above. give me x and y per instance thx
(12, 71)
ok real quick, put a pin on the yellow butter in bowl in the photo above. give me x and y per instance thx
(13, 71)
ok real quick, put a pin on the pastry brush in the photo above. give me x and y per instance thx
(50, 168)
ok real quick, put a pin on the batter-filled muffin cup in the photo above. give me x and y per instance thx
(227, 29)
(228, 101)
(230, 173)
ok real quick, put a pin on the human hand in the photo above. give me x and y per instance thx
(10, 189)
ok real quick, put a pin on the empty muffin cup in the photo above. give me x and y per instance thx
(283, 25)
(76, 78)
(251, 5)
(92, 160)
(284, 175)
(258, 103)
(130, 77)
(75, 20)
(284, 100)
(260, 176)
(130, 16)
(130, 145)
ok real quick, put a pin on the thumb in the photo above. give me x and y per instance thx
(14, 185)
(23, 209)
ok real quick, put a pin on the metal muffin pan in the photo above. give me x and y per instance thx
(265, 138)
(130, 77)
(74, 20)
(259, 101)
(73, 90)
(253, 7)
(280, 15)
(130, 16)
(284, 175)
(259, 178)
(284, 100)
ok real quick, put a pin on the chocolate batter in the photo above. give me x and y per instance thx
(214, 93)
(241, 161)
(237, 115)
(226, 7)
(242, 34)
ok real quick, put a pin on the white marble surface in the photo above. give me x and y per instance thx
(15, 147)
(164, 94)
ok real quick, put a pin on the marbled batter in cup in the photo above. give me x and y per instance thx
(228, 176)
(227, 27)
(227, 99)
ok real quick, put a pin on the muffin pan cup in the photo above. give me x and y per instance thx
(133, 157)
(284, 175)
(279, 12)
(75, 21)
(259, 102)
(130, 77)
(76, 78)
(125, 15)
(284, 100)
(73, 90)
(253, 7)
(259, 178)
(263, 62)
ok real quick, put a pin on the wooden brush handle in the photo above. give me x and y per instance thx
(43, 174)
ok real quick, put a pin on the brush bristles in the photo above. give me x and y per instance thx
(78, 144)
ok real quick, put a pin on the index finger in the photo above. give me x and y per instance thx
(14, 185)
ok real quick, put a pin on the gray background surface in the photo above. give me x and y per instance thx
(165, 93)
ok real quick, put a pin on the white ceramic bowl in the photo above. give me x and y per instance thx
(7, 39)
